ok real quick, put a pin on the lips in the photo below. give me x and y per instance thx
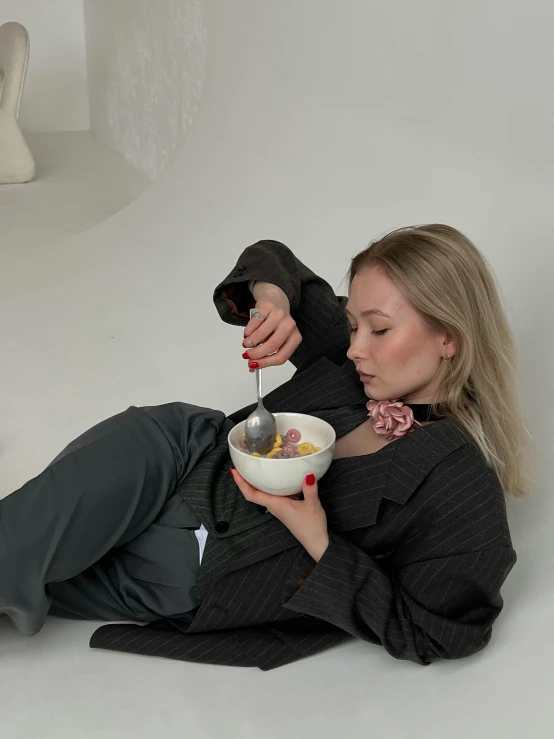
(364, 377)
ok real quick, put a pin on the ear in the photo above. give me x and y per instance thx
(448, 346)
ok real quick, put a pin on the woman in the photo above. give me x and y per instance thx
(404, 542)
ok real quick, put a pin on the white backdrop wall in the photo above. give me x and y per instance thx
(147, 66)
(56, 95)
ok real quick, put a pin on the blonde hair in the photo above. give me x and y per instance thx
(449, 282)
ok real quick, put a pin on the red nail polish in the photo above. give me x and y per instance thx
(253, 365)
(310, 479)
(232, 472)
(246, 355)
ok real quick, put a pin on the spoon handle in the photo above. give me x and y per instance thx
(253, 311)
(259, 385)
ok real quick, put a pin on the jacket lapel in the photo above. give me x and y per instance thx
(354, 488)
(418, 453)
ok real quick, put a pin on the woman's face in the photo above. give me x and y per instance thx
(393, 348)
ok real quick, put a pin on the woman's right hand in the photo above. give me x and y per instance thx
(274, 340)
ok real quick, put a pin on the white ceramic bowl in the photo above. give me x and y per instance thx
(285, 476)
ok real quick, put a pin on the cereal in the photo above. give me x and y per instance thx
(287, 446)
(293, 436)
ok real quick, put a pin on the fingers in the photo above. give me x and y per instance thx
(269, 340)
(264, 309)
(246, 489)
(284, 353)
(270, 312)
(273, 341)
(253, 495)
(256, 331)
(277, 350)
(309, 487)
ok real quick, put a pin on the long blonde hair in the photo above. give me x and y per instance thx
(449, 282)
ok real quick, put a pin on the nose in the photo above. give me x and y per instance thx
(356, 350)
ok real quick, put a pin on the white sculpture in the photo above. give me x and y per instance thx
(16, 161)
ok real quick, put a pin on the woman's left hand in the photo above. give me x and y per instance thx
(305, 519)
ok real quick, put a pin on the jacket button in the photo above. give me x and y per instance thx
(262, 509)
(222, 527)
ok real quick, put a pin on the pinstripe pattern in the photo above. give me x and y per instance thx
(419, 541)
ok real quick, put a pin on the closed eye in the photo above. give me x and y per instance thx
(381, 332)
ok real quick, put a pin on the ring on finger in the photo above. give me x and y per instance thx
(259, 316)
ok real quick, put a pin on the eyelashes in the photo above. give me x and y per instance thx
(381, 332)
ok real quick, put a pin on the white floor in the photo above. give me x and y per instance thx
(323, 147)
(80, 181)
(53, 686)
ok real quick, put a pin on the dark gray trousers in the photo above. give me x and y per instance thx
(100, 533)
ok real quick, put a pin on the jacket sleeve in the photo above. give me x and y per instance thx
(441, 608)
(318, 312)
(439, 602)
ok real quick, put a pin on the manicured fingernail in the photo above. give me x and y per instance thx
(310, 479)
(232, 472)
(253, 365)
(246, 355)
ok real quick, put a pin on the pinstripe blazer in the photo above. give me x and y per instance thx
(419, 541)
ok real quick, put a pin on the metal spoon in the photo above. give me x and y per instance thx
(261, 427)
